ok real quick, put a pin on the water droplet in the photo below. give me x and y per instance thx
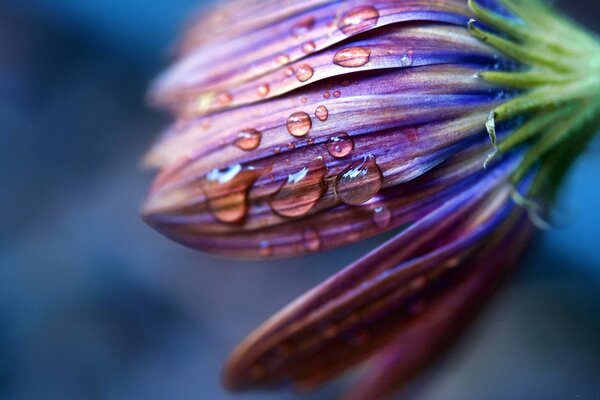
(352, 57)
(407, 59)
(263, 90)
(326, 95)
(301, 191)
(340, 145)
(359, 183)
(248, 139)
(291, 146)
(265, 249)
(224, 98)
(299, 124)
(337, 94)
(282, 59)
(303, 100)
(312, 240)
(322, 113)
(330, 332)
(382, 217)
(227, 192)
(310, 141)
(358, 20)
(303, 27)
(289, 71)
(309, 47)
(304, 72)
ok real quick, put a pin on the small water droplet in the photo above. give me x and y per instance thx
(291, 146)
(358, 20)
(312, 240)
(265, 249)
(289, 71)
(382, 217)
(326, 95)
(224, 98)
(407, 59)
(263, 90)
(227, 192)
(359, 183)
(337, 94)
(282, 59)
(352, 57)
(340, 145)
(303, 27)
(303, 100)
(248, 139)
(322, 113)
(304, 72)
(299, 124)
(309, 47)
(346, 83)
(310, 141)
(301, 191)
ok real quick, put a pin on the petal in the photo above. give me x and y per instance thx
(356, 312)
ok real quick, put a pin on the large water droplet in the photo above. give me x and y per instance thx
(359, 183)
(340, 145)
(358, 20)
(227, 192)
(299, 124)
(322, 113)
(301, 191)
(382, 216)
(352, 57)
(304, 72)
(248, 139)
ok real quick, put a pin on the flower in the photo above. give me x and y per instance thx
(309, 125)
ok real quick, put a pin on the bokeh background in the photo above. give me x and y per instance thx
(95, 305)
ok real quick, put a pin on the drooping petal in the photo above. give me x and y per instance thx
(360, 309)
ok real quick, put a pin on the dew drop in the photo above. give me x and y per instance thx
(340, 145)
(337, 94)
(359, 183)
(382, 217)
(352, 57)
(301, 191)
(227, 192)
(303, 27)
(322, 113)
(299, 124)
(263, 90)
(304, 72)
(224, 98)
(358, 20)
(407, 59)
(309, 47)
(282, 59)
(312, 240)
(248, 139)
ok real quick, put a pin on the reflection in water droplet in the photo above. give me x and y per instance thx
(263, 90)
(352, 57)
(309, 47)
(340, 145)
(359, 183)
(312, 240)
(407, 59)
(358, 20)
(382, 217)
(322, 113)
(299, 124)
(301, 191)
(248, 139)
(304, 72)
(224, 98)
(227, 192)
(303, 27)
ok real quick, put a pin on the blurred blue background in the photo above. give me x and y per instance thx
(95, 305)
